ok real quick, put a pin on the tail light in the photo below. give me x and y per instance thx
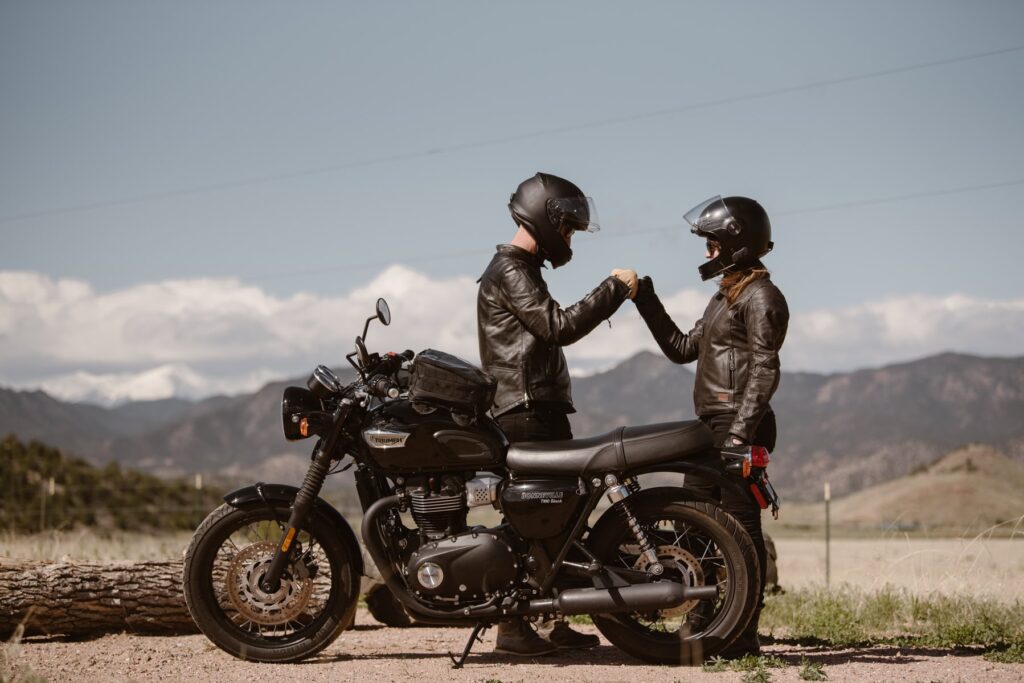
(759, 456)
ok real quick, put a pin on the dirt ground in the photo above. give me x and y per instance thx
(372, 652)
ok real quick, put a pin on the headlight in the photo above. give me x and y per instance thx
(296, 406)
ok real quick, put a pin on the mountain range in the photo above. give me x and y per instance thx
(853, 429)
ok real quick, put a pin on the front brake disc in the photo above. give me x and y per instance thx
(243, 579)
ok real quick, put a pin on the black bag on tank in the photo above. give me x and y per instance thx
(440, 378)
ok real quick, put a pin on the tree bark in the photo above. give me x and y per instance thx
(89, 598)
(80, 598)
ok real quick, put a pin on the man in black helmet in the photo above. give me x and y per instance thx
(522, 330)
(736, 345)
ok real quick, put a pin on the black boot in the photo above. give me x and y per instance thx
(564, 638)
(516, 637)
(747, 644)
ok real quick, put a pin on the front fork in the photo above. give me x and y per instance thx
(304, 500)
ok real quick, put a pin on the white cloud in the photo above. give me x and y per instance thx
(197, 337)
(904, 328)
(203, 336)
(160, 382)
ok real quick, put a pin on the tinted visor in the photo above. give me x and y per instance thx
(708, 217)
(569, 214)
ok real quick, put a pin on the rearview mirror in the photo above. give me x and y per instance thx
(383, 312)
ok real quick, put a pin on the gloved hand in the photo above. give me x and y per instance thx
(645, 290)
(733, 441)
(736, 456)
(628, 276)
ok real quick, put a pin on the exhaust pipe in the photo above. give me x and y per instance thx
(639, 598)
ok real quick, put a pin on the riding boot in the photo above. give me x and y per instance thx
(559, 634)
(746, 644)
(516, 637)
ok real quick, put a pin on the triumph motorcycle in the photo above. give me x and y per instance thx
(273, 574)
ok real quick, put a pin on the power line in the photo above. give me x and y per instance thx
(661, 228)
(478, 144)
(900, 198)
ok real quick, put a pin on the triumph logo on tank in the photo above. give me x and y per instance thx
(382, 438)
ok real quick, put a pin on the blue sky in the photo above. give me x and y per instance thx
(267, 154)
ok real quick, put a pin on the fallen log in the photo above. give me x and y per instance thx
(86, 598)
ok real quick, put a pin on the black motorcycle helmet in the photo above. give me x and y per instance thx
(551, 209)
(739, 225)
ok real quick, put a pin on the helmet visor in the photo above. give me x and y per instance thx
(708, 217)
(570, 214)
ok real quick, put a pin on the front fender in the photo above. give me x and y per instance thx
(284, 494)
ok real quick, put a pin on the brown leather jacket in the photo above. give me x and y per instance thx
(736, 348)
(522, 330)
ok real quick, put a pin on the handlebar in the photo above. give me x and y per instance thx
(384, 387)
(382, 384)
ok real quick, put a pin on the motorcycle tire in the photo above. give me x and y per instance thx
(221, 582)
(713, 549)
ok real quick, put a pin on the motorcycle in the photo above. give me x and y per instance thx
(273, 574)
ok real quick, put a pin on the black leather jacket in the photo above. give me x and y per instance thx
(736, 348)
(522, 330)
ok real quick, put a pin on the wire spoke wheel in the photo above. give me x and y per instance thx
(224, 569)
(697, 544)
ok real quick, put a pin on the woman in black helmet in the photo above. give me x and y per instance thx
(736, 345)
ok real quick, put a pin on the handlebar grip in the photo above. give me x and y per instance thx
(383, 387)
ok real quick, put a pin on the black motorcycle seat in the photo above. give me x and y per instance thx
(619, 450)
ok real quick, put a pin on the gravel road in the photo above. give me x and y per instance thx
(372, 652)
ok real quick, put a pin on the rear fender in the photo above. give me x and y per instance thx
(646, 499)
(282, 494)
(703, 467)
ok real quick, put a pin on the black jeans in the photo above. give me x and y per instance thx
(741, 504)
(537, 423)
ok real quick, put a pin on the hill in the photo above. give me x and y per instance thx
(43, 488)
(967, 491)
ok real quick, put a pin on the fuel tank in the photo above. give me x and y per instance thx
(402, 438)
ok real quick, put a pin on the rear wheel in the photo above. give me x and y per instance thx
(225, 563)
(697, 544)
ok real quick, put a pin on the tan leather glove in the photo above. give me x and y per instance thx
(627, 275)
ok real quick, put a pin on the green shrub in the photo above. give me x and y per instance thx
(812, 671)
(847, 617)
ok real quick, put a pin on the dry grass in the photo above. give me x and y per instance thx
(89, 544)
(11, 671)
(989, 568)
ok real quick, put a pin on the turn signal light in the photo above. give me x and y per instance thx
(304, 426)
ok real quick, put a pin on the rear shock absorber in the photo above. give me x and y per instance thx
(617, 493)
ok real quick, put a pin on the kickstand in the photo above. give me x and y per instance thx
(474, 637)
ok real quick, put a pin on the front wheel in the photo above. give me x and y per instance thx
(697, 544)
(225, 564)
